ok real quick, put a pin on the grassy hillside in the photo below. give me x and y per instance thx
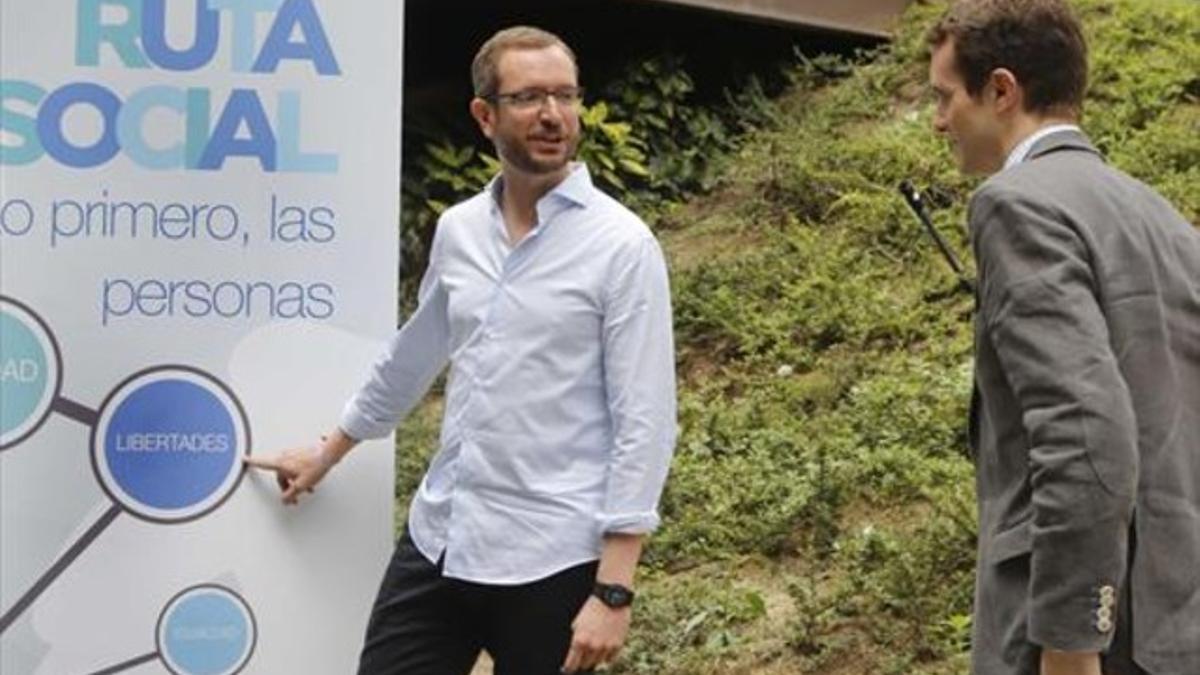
(819, 517)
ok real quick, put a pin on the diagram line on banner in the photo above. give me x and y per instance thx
(126, 665)
(76, 411)
(58, 567)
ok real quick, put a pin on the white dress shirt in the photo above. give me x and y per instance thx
(1021, 151)
(560, 413)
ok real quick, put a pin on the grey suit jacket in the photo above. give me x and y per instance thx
(1086, 424)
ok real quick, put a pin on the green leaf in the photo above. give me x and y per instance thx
(633, 167)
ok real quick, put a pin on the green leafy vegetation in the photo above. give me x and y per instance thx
(819, 517)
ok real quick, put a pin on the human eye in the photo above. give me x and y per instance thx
(527, 97)
(567, 95)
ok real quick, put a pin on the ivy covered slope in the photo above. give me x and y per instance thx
(819, 517)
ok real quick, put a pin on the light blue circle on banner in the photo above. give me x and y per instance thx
(24, 375)
(207, 631)
(171, 444)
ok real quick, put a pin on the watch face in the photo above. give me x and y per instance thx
(614, 596)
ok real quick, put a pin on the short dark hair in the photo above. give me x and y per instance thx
(1040, 41)
(484, 74)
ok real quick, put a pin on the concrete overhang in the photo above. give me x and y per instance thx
(874, 18)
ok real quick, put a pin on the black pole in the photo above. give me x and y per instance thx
(913, 198)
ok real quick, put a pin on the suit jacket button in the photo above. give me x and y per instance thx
(1104, 614)
(1104, 625)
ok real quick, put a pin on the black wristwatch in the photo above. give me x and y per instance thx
(613, 595)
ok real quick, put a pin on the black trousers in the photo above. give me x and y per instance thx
(426, 624)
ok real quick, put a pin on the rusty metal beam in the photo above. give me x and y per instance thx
(874, 18)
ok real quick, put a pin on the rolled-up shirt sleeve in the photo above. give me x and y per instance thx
(639, 375)
(404, 372)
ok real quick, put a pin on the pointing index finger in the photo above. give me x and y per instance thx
(268, 463)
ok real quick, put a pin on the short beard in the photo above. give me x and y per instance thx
(518, 157)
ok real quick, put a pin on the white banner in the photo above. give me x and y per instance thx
(198, 254)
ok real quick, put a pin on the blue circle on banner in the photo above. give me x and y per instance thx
(206, 630)
(30, 372)
(169, 444)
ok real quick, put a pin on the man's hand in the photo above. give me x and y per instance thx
(599, 634)
(300, 469)
(297, 470)
(1070, 663)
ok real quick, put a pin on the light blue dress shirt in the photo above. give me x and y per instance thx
(560, 415)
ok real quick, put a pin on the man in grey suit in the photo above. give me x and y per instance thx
(1086, 419)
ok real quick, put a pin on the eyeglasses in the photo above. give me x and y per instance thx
(529, 99)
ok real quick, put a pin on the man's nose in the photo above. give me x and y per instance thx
(550, 109)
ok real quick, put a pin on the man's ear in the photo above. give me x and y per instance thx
(1009, 95)
(484, 114)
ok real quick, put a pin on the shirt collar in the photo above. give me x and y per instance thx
(576, 188)
(1020, 152)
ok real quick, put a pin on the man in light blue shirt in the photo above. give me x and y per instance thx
(550, 303)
